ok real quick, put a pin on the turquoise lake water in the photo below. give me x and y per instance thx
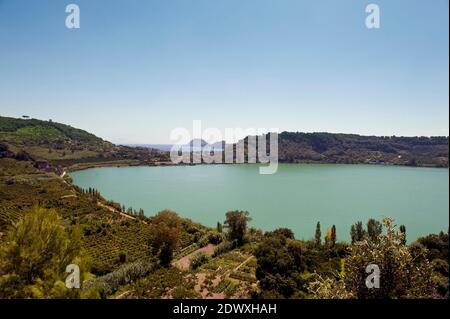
(297, 196)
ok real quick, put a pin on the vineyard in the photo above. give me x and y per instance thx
(110, 239)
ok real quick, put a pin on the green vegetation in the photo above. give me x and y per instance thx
(35, 255)
(403, 274)
(236, 222)
(166, 231)
(357, 149)
(61, 144)
(47, 223)
(198, 260)
(279, 266)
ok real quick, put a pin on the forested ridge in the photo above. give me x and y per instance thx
(358, 149)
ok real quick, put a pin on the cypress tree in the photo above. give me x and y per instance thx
(318, 236)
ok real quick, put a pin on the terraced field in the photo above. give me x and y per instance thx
(110, 239)
(231, 275)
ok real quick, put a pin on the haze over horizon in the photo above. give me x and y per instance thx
(134, 72)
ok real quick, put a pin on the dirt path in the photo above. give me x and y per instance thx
(243, 263)
(112, 209)
(69, 196)
(123, 294)
(184, 262)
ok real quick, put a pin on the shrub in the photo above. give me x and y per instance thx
(198, 260)
(203, 241)
(224, 247)
(212, 237)
(108, 284)
(403, 273)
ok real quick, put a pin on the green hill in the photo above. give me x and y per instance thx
(65, 145)
(359, 149)
(19, 130)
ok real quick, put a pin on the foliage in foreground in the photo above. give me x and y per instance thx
(402, 273)
(34, 258)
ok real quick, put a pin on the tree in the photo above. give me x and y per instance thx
(333, 236)
(219, 227)
(279, 267)
(330, 237)
(403, 232)
(374, 229)
(35, 255)
(236, 222)
(166, 232)
(318, 235)
(284, 232)
(357, 232)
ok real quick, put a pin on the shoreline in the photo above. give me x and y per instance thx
(126, 163)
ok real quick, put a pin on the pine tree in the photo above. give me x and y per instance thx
(34, 257)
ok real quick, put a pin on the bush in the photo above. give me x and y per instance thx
(242, 276)
(203, 241)
(212, 237)
(198, 260)
(108, 284)
(224, 247)
(404, 273)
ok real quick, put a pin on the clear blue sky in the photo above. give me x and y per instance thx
(137, 69)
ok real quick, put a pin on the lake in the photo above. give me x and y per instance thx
(297, 196)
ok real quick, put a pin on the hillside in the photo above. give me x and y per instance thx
(356, 149)
(330, 148)
(64, 145)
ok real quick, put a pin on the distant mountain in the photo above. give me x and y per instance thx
(198, 142)
(217, 145)
(160, 147)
